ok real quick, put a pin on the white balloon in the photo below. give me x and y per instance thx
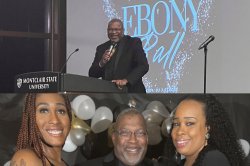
(69, 146)
(7, 163)
(83, 107)
(76, 101)
(102, 119)
(245, 146)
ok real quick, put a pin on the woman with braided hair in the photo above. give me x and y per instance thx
(204, 134)
(45, 125)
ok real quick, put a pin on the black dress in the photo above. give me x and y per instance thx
(210, 157)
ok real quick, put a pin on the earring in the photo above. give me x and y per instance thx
(207, 136)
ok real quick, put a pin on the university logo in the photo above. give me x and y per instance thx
(19, 82)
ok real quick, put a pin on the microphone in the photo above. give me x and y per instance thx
(68, 59)
(205, 43)
(105, 59)
(112, 46)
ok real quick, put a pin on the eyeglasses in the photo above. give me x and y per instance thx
(127, 133)
(114, 30)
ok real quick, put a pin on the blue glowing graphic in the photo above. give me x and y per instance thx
(167, 42)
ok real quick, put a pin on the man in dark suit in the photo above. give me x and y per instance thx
(121, 60)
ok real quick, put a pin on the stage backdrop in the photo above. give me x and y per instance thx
(171, 32)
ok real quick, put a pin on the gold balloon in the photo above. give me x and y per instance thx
(80, 124)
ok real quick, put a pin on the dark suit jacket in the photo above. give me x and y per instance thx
(129, 62)
(111, 160)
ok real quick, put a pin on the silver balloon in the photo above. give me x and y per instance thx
(159, 108)
(170, 105)
(154, 134)
(101, 125)
(166, 127)
(132, 103)
(152, 117)
(77, 136)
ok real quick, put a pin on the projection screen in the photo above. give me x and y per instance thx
(171, 32)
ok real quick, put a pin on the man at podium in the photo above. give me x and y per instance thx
(121, 60)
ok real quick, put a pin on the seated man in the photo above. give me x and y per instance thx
(130, 141)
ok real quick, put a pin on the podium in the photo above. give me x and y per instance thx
(47, 81)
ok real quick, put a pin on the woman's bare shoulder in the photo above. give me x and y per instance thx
(25, 157)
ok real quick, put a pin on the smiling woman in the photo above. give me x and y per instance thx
(45, 126)
(204, 134)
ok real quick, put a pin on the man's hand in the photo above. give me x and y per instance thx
(120, 83)
(105, 58)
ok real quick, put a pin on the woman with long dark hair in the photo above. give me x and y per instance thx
(204, 134)
(45, 125)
